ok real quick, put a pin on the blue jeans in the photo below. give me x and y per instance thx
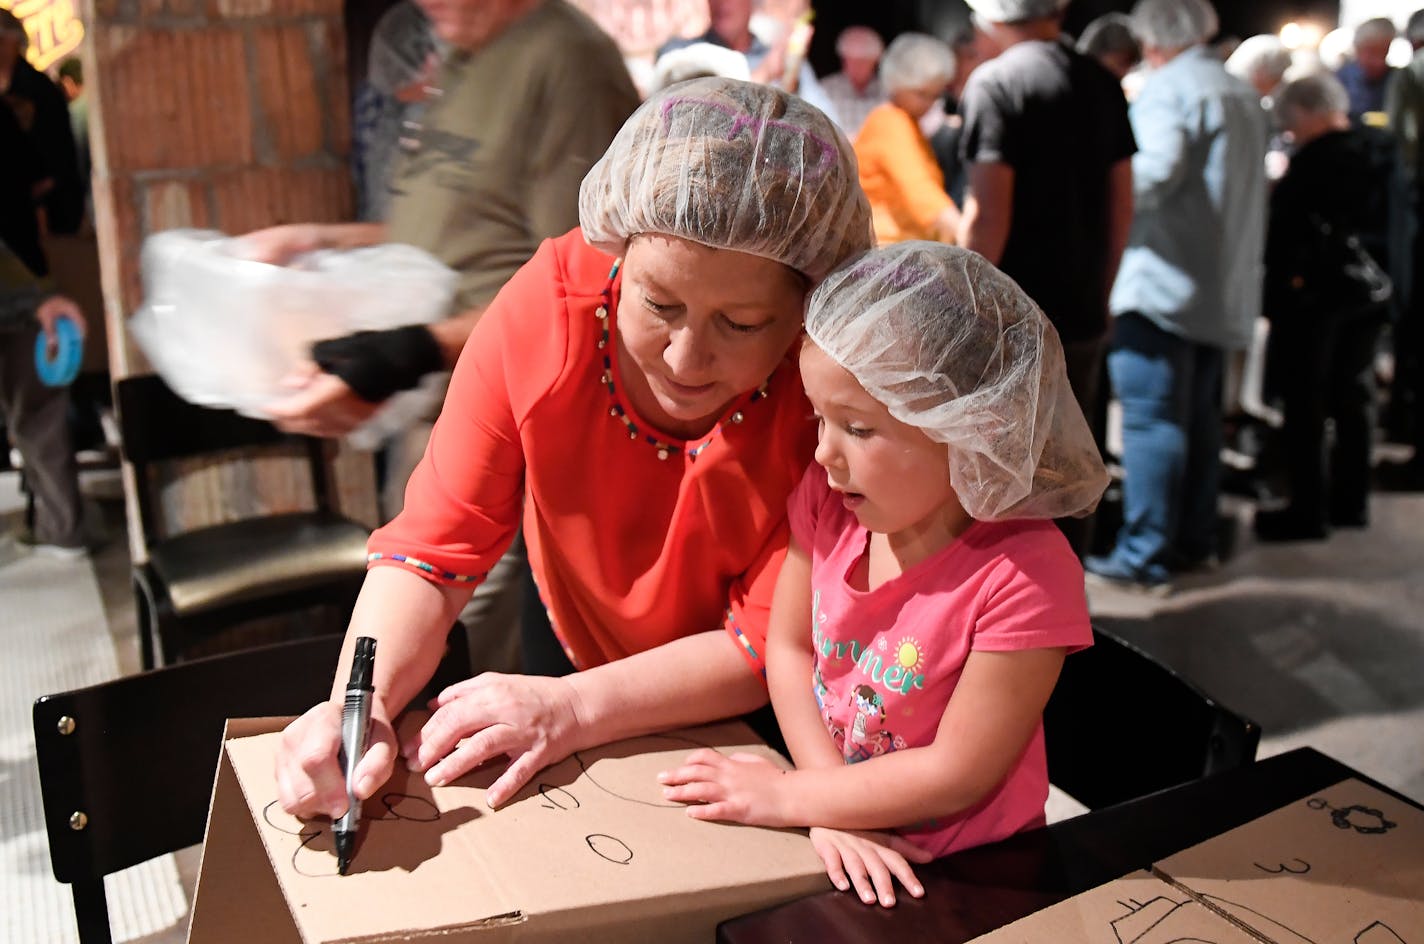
(1170, 392)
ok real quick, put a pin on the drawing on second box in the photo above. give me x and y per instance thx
(1362, 819)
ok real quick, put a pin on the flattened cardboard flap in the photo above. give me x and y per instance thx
(590, 847)
(1136, 909)
(1343, 864)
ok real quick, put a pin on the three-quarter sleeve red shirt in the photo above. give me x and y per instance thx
(629, 550)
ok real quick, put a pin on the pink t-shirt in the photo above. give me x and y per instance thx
(887, 661)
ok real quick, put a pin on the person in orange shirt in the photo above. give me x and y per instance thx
(898, 169)
(630, 399)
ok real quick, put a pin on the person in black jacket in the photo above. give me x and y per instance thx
(39, 106)
(1327, 291)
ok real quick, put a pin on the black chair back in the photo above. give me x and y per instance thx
(126, 767)
(1121, 724)
(200, 587)
(157, 425)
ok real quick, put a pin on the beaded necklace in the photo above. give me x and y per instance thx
(617, 411)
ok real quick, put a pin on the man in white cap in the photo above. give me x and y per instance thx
(856, 88)
(1048, 150)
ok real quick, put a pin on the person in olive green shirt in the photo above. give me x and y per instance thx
(528, 97)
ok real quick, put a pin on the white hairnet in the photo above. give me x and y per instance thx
(1263, 54)
(732, 165)
(1174, 24)
(1015, 11)
(696, 61)
(915, 60)
(952, 345)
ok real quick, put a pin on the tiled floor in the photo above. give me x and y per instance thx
(1322, 644)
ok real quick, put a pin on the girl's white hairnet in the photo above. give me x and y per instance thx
(950, 344)
(732, 165)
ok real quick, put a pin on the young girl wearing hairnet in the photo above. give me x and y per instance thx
(927, 600)
(631, 398)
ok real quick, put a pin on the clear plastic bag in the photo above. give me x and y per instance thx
(224, 331)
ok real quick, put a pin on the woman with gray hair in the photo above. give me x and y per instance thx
(898, 170)
(1261, 62)
(1109, 39)
(1331, 215)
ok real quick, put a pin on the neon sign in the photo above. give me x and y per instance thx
(53, 26)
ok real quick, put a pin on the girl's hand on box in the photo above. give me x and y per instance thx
(869, 862)
(742, 788)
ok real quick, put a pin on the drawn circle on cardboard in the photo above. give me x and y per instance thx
(631, 773)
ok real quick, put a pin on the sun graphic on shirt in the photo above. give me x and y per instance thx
(907, 652)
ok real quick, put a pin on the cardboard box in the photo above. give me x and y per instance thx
(589, 852)
(1344, 864)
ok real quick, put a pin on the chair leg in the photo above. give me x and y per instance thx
(91, 912)
(169, 630)
(144, 617)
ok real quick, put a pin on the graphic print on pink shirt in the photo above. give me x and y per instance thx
(867, 736)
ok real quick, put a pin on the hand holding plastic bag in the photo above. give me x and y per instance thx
(224, 330)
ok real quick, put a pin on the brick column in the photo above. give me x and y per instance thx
(221, 114)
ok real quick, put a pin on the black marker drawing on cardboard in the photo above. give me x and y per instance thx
(1365, 820)
(610, 848)
(557, 798)
(1300, 868)
(402, 806)
(584, 765)
(1379, 933)
(1163, 920)
(398, 806)
(606, 847)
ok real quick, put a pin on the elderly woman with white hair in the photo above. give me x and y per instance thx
(1260, 61)
(898, 170)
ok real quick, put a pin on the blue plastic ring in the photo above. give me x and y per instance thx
(61, 371)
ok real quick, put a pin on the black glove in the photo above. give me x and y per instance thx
(376, 364)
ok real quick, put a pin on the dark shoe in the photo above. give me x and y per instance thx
(1108, 572)
(1193, 564)
(1287, 524)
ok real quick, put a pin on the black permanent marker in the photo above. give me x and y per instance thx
(355, 728)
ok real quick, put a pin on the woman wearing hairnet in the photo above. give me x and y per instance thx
(939, 596)
(629, 398)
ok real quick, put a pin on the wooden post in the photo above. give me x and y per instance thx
(221, 114)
